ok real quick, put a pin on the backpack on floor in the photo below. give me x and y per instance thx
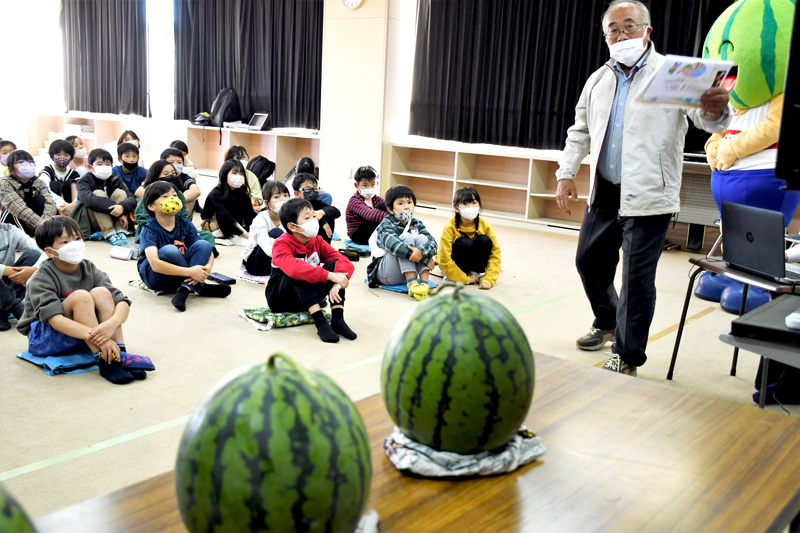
(225, 108)
(262, 167)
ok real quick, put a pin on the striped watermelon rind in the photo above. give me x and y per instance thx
(458, 373)
(13, 517)
(274, 447)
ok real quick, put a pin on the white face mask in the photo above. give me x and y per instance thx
(133, 142)
(310, 228)
(178, 167)
(278, 206)
(72, 252)
(628, 51)
(404, 216)
(80, 153)
(469, 213)
(102, 172)
(235, 180)
(368, 193)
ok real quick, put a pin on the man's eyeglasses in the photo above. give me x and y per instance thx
(627, 29)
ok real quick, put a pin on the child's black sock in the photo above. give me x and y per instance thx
(339, 325)
(137, 373)
(215, 291)
(323, 328)
(122, 347)
(114, 373)
(179, 300)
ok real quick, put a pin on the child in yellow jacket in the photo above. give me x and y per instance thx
(468, 250)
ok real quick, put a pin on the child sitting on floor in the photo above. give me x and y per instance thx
(266, 227)
(15, 271)
(188, 186)
(25, 199)
(175, 257)
(228, 212)
(61, 179)
(408, 248)
(468, 249)
(306, 186)
(366, 209)
(129, 171)
(106, 199)
(70, 302)
(306, 269)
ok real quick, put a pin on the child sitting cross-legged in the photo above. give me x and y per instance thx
(408, 248)
(306, 269)
(70, 302)
(266, 227)
(175, 257)
(366, 209)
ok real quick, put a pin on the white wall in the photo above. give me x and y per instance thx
(32, 50)
(353, 69)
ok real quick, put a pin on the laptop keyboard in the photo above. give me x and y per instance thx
(794, 276)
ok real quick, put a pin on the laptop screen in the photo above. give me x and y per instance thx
(258, 121)
(753, 239)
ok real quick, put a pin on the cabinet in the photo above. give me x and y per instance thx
(207, 145)
(514, 183)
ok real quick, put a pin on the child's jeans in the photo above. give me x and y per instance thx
(392, 269)
(197, 254)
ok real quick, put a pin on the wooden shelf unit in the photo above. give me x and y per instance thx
(514, 183)
(207, 145)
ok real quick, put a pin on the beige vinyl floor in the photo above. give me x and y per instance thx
(72, 437)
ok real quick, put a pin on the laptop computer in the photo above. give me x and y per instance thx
(258, 122)
(753, 241)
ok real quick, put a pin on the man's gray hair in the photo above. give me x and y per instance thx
(643, 11)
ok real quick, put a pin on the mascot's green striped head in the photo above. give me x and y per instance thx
(755, 35)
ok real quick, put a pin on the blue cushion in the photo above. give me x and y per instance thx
(731, 298)
(710, 286)
(353, 246)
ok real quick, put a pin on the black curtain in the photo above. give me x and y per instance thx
(268, 51)
(105, 56)
(510, 73)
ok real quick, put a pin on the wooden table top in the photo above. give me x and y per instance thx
(623, 454)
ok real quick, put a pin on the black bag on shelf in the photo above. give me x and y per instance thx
(225, 108)
(262, 167)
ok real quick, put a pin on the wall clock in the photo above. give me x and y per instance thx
(352, 4)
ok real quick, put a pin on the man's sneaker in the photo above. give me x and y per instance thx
(595, 339)
(616, 364)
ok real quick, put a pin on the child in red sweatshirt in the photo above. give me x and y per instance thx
(306, 269)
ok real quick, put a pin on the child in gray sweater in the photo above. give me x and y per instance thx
(70, 302)
(15, 272)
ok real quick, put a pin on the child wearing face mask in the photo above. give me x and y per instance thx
(404, 250)
(61, 179)
(129, 170)
(129, 136)
(6, 147)
(306, 269)
(228, 212)
(366, 209)
(468, 250)
(78, 163)
(160, 170)
(306, 186)
(105, 199)
(174, 257)
(266, 227)
(188, 186)
(25, 199)
(70, 302)
(189, 168)
(239, 153)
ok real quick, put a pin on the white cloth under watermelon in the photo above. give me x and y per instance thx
(408, 454)
(369, 523)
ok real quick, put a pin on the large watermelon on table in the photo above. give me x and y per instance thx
(458, 373)
(274, 448)
(12, 515)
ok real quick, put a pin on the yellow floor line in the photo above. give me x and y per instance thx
(664, 332)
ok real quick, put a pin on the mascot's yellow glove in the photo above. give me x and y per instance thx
(711, 150)
(726, 155)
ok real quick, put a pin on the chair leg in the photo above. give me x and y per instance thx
(762, 401)
(741, 312)
(692, 278)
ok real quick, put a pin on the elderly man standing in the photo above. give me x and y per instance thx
(636, 153)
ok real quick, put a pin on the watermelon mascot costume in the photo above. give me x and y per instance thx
(755, 35)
